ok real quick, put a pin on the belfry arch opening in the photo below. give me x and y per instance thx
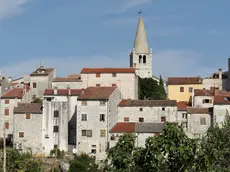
(144, 59)
(140, 58)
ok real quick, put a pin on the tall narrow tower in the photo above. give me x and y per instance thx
(141, 55)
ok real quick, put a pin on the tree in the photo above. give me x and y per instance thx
(162, 92)
(83, 163)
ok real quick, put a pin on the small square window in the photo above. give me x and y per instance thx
(184, 115)
(55, 129)
(6, 111)
(28, 116)
(141, 119)
(48, 99)
(6, 125)
(98, 85)
(190, 89)
(98, 75)
(141, 109)
(83, 132)
(93, 151)
(102, 133)
(202, 121)
(55, 146)
(84, 103)
(7, 101)
(163, 109)
(126, 119)
(34, 85)
(56, 113)
(114, 75)
(84, 117)
(102, 103)
(89, 133)
(181, 89)
(21, 134)
(163, 119)
(102, 117)
(114, 85)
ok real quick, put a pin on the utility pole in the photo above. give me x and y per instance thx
(4, 150)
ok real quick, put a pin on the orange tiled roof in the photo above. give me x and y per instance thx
(202, 92)
(184, 80)
(28, 108)
(108, 70)
(148, 103)
(63, 92)
(60, 79)
(14, 93)
(192, 110)
(222, 100)
(182, 106)
(123, 127)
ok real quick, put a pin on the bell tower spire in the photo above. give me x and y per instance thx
(141, 55)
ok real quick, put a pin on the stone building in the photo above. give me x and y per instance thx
(182, 116)
(67, 83)
(28, 128)
(96, 114)
(150, 111)
(124, 78)
(203, 98)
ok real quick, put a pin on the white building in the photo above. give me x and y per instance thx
(96, 114)
(182, 116)
(59, 119)
(141, 130)
(66, 83)
(141, 55)
(150, 111)
(9, 101)
(28, 128)
(202, 98)
(124, 78)
(199, 120)
(40, 80)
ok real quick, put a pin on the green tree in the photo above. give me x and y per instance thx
(83, 163)
(161, 89)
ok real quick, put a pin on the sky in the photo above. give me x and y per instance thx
(188, 38)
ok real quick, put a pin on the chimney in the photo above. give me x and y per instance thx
(220, 73)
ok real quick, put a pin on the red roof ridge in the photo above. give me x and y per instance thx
(108, 70)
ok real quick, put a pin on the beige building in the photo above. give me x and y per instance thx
(66, 83)
(203, 98)
(123, 78)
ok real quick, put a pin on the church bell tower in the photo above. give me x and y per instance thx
(141, 55)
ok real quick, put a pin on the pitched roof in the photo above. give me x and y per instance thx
(108, 70)
(182, 106)
(62, 92)
(202, 92)
(131, 127)
(28, 108)
(148, 103)
(96, 93)
(42, 72)
(184, 80)
(14, 93)
(191, 110)
(74, 76)
(222, 100)
(62, 79)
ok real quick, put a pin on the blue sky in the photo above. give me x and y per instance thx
(188, 38)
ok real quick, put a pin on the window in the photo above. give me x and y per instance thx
(56, 113)
(93, 151)
(6, 125)
(140, 59)
(114, 75)
(98, 75)
(163, 119)
(207, 101)
(141, 109)
(55, 129)
(21, 134)
(190, 89)
(102, 117)
(144, 59)
(126, 119)
(181, 89)
(114, 85)
(6, 111)
(163, 109)
(134, 64)
(34, 85)
(7, 101)
(141, 119)
(202, 121)
(87, 133)
(98, 85)
(102, 133)
(83, 103)
(102, 102)
(28, 116)
(84, 117)
(184, 115)
(48, 99)
(55, 146)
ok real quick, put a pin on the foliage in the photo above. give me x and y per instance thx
(59, 154)
(83, 163)
(149, 89)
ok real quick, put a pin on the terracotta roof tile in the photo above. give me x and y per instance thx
(202, 92)
(149, 103)
(96, 93)
(28, 108)
(182, 106)
(108, 70)
(75, 92)
(63, 92)
(74, 76)
(222, 93)
(184, 80)
(42, 72)
(122, 127)
(191, 110)
(14, 93)
(222, 100)
(59, 79)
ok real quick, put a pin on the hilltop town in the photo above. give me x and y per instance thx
(87, 112)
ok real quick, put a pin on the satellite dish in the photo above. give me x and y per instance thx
(74, 150)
